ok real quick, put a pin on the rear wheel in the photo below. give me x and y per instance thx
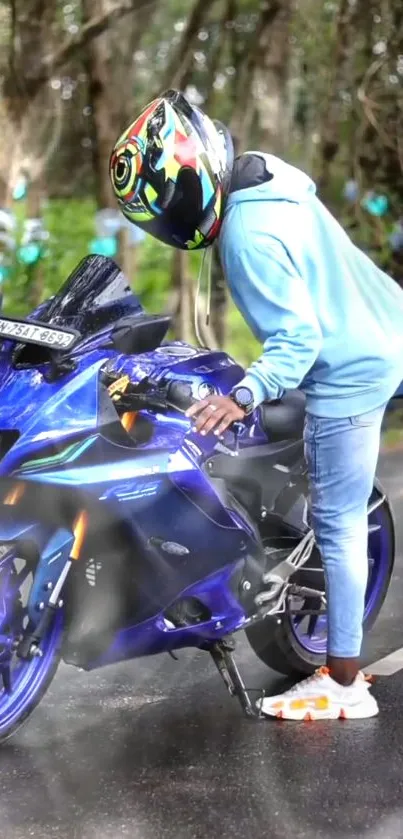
(297, 643)
(22, 683)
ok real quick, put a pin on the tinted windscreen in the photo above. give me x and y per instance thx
(95, 296)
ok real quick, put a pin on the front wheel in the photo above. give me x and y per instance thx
(297, 643)
(22, 682)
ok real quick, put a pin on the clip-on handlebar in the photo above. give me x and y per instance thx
(173, 394)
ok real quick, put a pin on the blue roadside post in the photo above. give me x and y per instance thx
(107, 225)
(33, 241)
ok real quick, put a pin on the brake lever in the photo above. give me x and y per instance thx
(137, 401)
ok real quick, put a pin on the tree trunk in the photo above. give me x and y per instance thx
(181, 283)
(34, 202)
(128, 255)
(215, 59)
(177, 74)
(124, 41)
(100, 99)
(270, 83)
(330, 132)
(247, 64)
(106, 114)
(219, 300)
(31, 37)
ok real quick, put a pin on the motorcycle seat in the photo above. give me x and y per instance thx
(283, 419)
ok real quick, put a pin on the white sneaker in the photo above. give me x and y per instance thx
(321, 698)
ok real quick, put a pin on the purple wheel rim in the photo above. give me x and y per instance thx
(313, 636)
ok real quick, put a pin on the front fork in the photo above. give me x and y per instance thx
(63, 549)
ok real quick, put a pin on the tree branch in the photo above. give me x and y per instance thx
(228, 14)
(180, 60)
(75, 43)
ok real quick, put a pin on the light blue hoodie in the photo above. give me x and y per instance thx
(329, 320)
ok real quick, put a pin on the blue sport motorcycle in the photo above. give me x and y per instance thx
(123, 532)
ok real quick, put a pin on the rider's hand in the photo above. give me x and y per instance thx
(215, 413)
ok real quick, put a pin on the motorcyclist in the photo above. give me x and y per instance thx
(331, 323)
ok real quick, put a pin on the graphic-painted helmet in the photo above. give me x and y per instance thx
(171, 170)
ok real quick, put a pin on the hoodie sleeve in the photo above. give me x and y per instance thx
(275, 301)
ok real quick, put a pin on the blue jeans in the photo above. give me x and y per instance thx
(342, 455)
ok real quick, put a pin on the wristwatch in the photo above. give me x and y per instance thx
(243, 397)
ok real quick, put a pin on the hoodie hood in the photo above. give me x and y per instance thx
(283, 182)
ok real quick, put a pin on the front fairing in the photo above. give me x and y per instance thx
(152, 509)
(43, 411)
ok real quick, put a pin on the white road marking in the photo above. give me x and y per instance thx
(388, 665)
(392, 663)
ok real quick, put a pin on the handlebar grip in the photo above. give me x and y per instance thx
(179, 395)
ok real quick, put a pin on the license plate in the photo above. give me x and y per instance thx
(37, 333)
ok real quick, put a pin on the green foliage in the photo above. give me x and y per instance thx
(70, 226)
(70, 223)
(241, 343)
(152, 282)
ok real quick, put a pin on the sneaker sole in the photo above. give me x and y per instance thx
(358, 712)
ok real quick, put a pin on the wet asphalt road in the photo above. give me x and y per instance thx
(155, 749)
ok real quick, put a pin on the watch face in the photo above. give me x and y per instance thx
(243, 396)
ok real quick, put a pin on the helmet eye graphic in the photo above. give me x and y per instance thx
(126, 167)
(121, 170)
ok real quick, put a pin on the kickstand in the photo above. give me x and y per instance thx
(222, 655)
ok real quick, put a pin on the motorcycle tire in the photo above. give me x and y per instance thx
(276, 643)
